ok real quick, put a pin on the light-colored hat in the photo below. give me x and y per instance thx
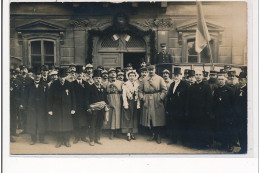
(54, 72)
(166, 71)
(120, 73)
(104, 71)
(89, 66)
(132, 71)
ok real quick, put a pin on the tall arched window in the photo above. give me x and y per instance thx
(42, 51)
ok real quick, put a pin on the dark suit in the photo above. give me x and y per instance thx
(223, 100)
(81, 119)
(163, 58)
(241, 116)
(175, 107)
(14, 104)
(97, 116)
(198, 107)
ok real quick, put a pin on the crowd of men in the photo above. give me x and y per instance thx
(198, 108)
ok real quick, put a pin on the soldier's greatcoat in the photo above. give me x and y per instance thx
(163, 58)
(61, 100)
(153, 91)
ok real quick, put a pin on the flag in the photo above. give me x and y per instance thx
(202, 33)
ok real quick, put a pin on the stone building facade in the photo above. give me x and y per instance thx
(113, 34)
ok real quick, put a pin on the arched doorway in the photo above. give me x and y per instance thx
(119, 49)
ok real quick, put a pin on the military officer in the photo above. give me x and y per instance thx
(97, 96)
(163, 56)
(198, 110)
(241, 111)
(152, 92)
(24, 81)
(35, 103)
(88, 74)
(166, 77)
(232, 81)
(81, 119)
(175, 107)
(61, 108)
(224, 114)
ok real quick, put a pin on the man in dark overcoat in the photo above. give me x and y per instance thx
(36, 113)
(241, 111)
(223, 100)
(81, 120)
(175, 106)
(198, 107)
(61, 108)
(97, 94)
(24, 81)
(14, 104)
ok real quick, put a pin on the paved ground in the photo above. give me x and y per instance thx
(115, 146)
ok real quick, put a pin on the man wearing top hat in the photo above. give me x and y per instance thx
(191, 77)
(152, 92)
(61, 108)
(88, 74)
(163, 56)
(198, 110)
(97, 107)
(166, 78)
(24, 81)
(81, 119)
(36, 110)
(223, 109)
(14, 103)
(114, 91)
(241, 111)
(185, 76)
(175, 106)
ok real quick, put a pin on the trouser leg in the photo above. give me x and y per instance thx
(34, 137)
(99, 124)
(93, 123)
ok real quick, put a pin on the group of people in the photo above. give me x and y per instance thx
(197, 108)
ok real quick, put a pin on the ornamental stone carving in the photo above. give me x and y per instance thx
(79, 24)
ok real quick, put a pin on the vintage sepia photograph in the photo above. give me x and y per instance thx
(91, 78)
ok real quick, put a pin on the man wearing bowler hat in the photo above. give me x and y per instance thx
(175, 106)
(61, 108)
(241, 111)
(81, 119)
(36, 110)
(152, 92)
(97, 107)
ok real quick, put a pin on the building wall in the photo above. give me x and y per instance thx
(78, 18)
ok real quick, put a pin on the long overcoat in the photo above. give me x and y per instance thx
(61, 100)
(36, 113)
(153, 91)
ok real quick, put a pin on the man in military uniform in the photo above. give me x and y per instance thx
(232, 81)
(14, 104)
(152, 92)
(166, 77)
(24, 81)
(88, 74)
(198, 110)
(241, 111)
(223, 100)
(175, 107)
(104, 79)
(81, 119)
(97, 97)
(163, 56)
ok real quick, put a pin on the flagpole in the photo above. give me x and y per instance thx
(204, 29)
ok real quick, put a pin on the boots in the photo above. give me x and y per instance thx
(158, 140)
(152, 138)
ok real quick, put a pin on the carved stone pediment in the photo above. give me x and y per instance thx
(191, 27)
(40, 26)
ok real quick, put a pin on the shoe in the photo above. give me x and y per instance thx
(91, 143)
(33, 143)
(12, 139)
(133, 137)
(58, 145)
(84, 140)
(43, 142)
(76, 140)
(111, 136)
(152, 138)
(128, 138)
(98, 142)
(158, 140)
(67, 144)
